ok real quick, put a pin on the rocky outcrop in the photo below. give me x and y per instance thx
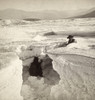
(35, 87)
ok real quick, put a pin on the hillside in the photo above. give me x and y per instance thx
(45, 14)
(88, 15)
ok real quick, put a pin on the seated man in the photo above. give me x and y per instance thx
(70, 39)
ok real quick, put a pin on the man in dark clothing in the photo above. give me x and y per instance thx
(35, 68)
(71, 39)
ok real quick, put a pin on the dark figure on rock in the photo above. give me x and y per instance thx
(35, 68)
(70, 39)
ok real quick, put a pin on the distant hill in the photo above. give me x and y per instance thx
(88, 14)
(20, 14)
(36, 15)
(14, 14)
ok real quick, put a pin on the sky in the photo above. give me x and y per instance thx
(34, 5)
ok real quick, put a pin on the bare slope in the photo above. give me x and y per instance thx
(45, 14)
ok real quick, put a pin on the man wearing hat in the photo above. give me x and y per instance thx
(70, 39)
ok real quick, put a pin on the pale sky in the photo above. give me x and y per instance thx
(32, 5)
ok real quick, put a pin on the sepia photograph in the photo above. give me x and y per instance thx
(47, 49)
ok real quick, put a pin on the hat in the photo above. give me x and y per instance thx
(70, 36)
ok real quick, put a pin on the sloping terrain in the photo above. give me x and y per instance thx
(44, 14)
(88, 15)
(68, 71)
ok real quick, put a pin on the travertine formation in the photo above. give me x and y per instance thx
(77, 74)
(71, 76)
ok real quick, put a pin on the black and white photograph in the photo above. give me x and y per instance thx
(47, 49)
